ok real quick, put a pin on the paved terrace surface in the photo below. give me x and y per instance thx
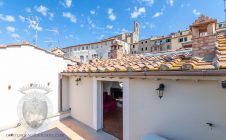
(70, 129)
(66, 129)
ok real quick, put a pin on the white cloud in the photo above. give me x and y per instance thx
(28, 10)
(92, 12)
(90, 22)
(22, 18)
(111, 15)
(137, 12)
(127, 9)
(148, 2)
(35, 26)
(157, 14)
(124, 30)
(7, 18)
(148, 25)
(101, 37)
(39, 28)
(51, 16)
(109, 26)
(14, 35)
(10, 29)
(170, 2)
(70, 16)
(42, 9)
(71, 35)
(196, 12)
(68, 3)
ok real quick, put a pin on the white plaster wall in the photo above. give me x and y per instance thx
(65, 93)
(21, 66)
(81, 100)
(181, 114)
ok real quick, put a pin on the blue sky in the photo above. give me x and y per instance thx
(83, 21)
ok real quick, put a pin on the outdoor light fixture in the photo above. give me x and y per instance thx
(9, 87)
(210, 125)
(48, 83)
(160, 90)
(223, 84)
(78, 80)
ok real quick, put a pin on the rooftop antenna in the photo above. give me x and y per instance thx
(56, 31)
(50, 43)
(34, 24)
(225, 10)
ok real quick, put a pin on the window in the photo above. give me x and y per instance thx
(87, 47)
(133, 46)
(146, 48)
(142, 49)
(146, 41)
(185, 39)
(180, 40)
(203, 34)
(168, 47)
(220, 25)
(142, 42)
(160, 48)
(75, 49)
(151, 49)
(82, 48)
(168, 40)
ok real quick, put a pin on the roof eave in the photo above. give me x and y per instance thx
(150, 73)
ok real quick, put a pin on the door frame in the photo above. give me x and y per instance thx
(97, 104)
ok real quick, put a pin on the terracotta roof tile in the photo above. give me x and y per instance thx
(174, 61)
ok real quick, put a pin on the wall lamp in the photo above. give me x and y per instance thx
(160, 90)
(210, 125)
(78, 80)
(9, 87)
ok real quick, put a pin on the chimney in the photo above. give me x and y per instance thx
(204, 37)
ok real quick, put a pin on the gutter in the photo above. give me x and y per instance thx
(148, 73)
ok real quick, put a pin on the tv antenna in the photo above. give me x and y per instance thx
(34, 24)
(50, 43)
(225, 10)
(56, 31)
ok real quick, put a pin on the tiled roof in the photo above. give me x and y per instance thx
(221, 52)
(177, 61)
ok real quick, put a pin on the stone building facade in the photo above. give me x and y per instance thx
(181, 39)
(102, 49)
(204, 36)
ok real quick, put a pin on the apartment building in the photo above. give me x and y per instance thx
(174, 41)
(221, 28)
(102, 49)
